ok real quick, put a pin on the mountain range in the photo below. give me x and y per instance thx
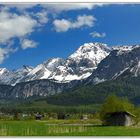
(92, 64)
(77, 66)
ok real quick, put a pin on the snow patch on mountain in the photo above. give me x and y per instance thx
(97, 80)
(136, 69)
(2, 70)
(119, 73)
(125, 48)
(47, 73)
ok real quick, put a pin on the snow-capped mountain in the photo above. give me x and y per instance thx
(12, 77)
(77, 66)
(92, 53)
(92, 63)
(120, 60)
(44, 70)
(82, 63)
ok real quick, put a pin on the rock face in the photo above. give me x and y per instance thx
(78, 66)
(11, 77)
(35, 88)
(120, 60)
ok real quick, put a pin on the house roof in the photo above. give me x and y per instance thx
(121, 112)
(129, 113)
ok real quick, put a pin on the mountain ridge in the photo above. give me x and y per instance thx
(121, 61)
(77, 66)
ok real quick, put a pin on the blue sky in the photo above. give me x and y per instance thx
(31, 34)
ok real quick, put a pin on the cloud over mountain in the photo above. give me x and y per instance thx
(63, 25)
(13, 25)
(26, 43)
(97, 34)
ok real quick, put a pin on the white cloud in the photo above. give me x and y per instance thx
(99, 35)
(63, 25)
(13, 25)
(26, 43)
(69, 6)
(42, 17)
(4, 53)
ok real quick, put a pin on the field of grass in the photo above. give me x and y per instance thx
(63, 128)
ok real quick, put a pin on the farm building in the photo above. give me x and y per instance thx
(84, 117)
(38, 116)
(119, 118)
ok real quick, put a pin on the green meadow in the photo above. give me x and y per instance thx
(63, 128)
(83, 120)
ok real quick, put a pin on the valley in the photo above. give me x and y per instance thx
(61, 92)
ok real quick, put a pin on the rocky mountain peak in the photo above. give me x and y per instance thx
(90, 49)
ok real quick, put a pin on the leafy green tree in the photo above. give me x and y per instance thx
(116, 104)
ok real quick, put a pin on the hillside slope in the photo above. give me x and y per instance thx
(123, 87)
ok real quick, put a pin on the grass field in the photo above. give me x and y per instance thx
(62, 128)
